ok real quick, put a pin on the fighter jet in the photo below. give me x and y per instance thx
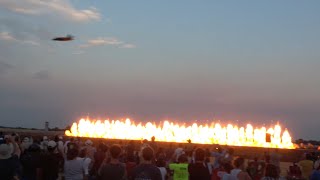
(65, 38)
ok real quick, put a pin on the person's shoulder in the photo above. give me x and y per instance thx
(146, 167)
(152, 167)
(244, 175)
(138, 167)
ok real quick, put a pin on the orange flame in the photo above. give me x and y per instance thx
(173, 132)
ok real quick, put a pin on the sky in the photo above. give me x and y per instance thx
(229, 61)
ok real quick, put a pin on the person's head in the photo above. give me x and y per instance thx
(52, 146)
(83, 153)
(153, 138)
(7, 139)
(308, 156)
(34, 148)
(17, 139)
(239, 163)
(115, 151)
(145, 141)
(45, 138)
(227, 167)
(26, 140)
(72, 153)
(102, 147)
(56, 138)
(88, 142)
(200, 154)
(272, 171)
(147, 153)
(183, 158)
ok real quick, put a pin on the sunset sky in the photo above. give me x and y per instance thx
(235, 61)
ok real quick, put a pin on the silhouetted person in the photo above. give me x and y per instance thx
(199, 169)
(51, 162)
(306, 166)
(114, 170)
(31, 162)
(73, 166)
(146, 170)
(239, 170)
(9, 165)
(316, 173)
(271, 173)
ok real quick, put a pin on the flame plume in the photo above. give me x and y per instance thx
(174, 132)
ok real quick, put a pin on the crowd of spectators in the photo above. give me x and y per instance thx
(53, 158)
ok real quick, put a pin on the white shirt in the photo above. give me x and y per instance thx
(86, 163)
(235, 172)
(74, 169)
(225, 176)
(60, 147)
(163, 172)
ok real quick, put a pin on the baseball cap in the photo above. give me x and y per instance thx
(88, 142)
(4, 151)
(52, 144)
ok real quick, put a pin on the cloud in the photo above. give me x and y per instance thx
(129, 46)
(103, 41)
(4, 67)
(6, 36)
(42, 75)
(61, 8)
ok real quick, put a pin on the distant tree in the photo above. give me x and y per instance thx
(67, 127)
(299, 141)
(54, 129)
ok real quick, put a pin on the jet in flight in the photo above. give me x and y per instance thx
(64, 38)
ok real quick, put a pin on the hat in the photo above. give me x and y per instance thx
(52, 144)
(88, 142)
(34, 147)
(4, 151)
(26, 139)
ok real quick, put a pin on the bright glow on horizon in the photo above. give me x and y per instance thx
(213, 133)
